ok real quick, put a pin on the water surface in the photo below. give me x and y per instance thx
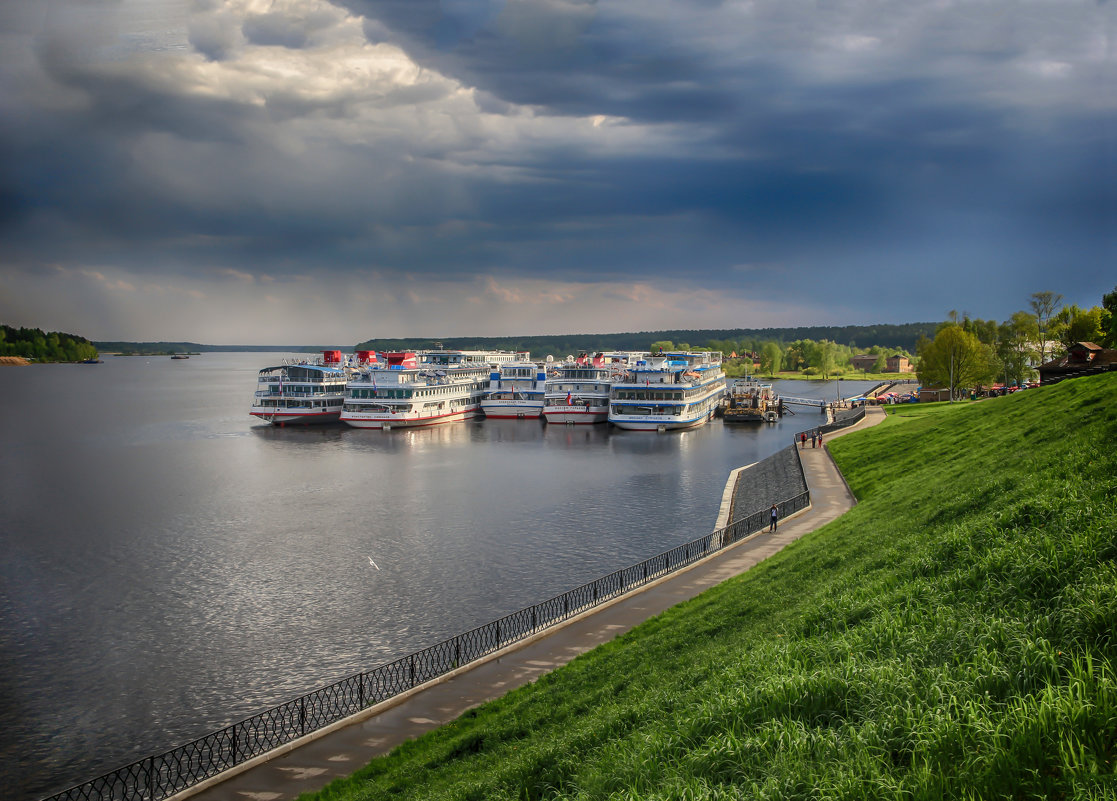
(171, 565)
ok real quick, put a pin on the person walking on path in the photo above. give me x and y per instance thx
(803, 439)
(775, 516)
(814, 436)
(820, 438)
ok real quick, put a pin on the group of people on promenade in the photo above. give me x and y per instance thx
(816, 438)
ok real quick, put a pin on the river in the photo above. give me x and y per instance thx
(171, 565)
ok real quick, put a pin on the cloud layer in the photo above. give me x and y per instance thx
(282, 170)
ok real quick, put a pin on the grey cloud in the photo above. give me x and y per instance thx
(213, 36)
(926, 173)
(275, 28)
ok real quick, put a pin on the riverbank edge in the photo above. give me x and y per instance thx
(281, 785)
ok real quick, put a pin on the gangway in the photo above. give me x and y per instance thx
(818, 404)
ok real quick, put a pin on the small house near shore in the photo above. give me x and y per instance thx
(1081, 358)
(898, 364)
(863, 361)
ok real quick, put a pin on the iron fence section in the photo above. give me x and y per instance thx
(162, 775)
(846, 419)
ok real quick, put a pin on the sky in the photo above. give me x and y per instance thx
(304, 171)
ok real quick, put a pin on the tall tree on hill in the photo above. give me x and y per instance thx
(1045, 305)
(1073, 324)
(1109, 303)
(955, 359)
(1015, 347)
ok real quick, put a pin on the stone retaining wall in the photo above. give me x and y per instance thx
(769, 481)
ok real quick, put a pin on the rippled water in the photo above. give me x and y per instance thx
(171, 566)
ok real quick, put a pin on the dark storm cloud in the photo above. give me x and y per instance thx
(917, 151)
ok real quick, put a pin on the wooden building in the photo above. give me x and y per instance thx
(1081, 358)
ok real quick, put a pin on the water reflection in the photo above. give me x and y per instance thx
(205, 566)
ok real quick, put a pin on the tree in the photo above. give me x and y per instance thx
(1073, 324)
(662, 345)
(1045, 305)
(1109, 304)
(771, 358)
(1015, 350)
(955, 359)
(796, 354)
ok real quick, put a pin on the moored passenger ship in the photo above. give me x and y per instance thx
(407, 389)
(668, 392)
(302, 392)
(515, 390)
(577, 391)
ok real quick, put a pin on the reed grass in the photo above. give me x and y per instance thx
(952, 636)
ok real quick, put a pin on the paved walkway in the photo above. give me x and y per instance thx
(311, 765)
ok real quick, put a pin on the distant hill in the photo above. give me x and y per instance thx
(145, 348)
(903, 336)
(888, 336)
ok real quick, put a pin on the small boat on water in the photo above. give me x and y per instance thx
(180, 356)
(302, 392)
(668, 392)
(750, 401)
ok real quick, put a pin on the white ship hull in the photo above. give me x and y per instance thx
(577, 415)
(659, 422)
(296, 418)
(404, 420)
(512, 410)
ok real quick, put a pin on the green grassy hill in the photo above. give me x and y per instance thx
(950, 637)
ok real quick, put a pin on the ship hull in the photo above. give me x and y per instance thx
(515, 410)
(577, 415)
(393, 421)
(296, 418)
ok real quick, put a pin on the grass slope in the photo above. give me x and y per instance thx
(950, 637)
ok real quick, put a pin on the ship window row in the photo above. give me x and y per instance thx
(638, 411)
(333, 379)
(372, 394)
(296, 404)
(289, 389)
(645, 395)
(577, 388)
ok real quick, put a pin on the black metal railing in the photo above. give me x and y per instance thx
(844, 419)
(162, 775)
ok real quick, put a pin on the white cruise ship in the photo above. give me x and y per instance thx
(577, 391)
(304, 392)
(667, 392)
(516, 389)
(409, 389)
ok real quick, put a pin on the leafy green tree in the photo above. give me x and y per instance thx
(1109, 304)
(1073, 324)
(1015, 349)
(662, 345)
(795, 357)
(771, 358)
(955, 359)
(1045, 305)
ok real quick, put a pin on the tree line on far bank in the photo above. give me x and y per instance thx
(40, 346)
(970, 353)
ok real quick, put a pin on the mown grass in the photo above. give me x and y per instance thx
(950, 637)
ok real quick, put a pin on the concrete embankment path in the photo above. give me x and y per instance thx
(314, 763)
